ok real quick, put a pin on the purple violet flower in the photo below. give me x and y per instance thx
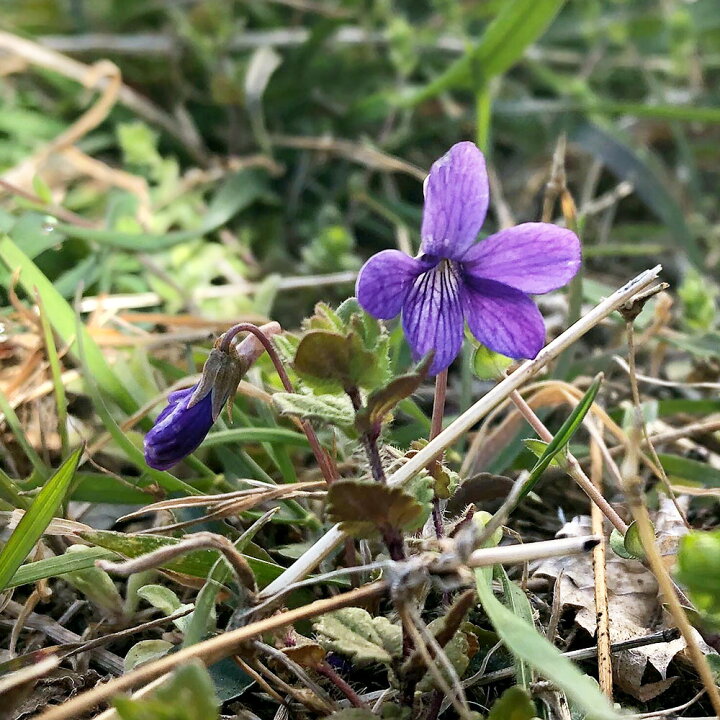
(454, 279)
(179, 429)
(191, 412)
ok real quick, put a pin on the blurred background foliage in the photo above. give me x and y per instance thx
(318, 88)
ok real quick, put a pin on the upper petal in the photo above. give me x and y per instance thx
(433, 316)
(385, 280)
(503, 318)
(456, 201)
(532, 257)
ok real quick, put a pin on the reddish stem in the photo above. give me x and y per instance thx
(325, 462)
(438, 412)
(324, 668)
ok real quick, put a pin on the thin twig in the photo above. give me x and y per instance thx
(602, 607)
(413, 623)
(208, 651)
(640, 421)
(202, 540)
(654, 559)
(573, 468)
(665, 636)
(280, 657)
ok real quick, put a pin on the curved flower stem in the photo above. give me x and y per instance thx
(325, 462)
(438, 412)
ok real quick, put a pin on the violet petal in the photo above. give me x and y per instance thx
(433, 316)
(456, 201)
(532, 257)
(178, 429)
(502, 318)
(385, 281)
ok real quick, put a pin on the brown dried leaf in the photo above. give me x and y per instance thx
(307, 654)
(634, 606)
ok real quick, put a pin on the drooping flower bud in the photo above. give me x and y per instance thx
(183, 424)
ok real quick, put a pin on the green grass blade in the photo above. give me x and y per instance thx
(55, 566)
(524, 642)
(239, 192)
(252, 436)
(518, 24)
(677, 466)
(62, 318)
(33, 523)
(56, 374)
(517, 602)
(562, 436)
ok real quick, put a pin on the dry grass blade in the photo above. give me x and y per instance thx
(253, 496)
(605, 677)
(57, 62)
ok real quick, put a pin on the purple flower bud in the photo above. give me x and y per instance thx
(179, 429)
(191, 412)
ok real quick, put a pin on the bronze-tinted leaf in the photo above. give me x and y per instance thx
(381, 402)
(362, 507)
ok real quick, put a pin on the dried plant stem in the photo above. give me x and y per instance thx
(556, 183)
(208, 651)
(633, 490)
(259, 679)
(325, 545)
(665, 636)
(438, 412)
(573, 468)
(632, 374)
(422, 637)
(281, 658)
(202, 540)
(602, 609)
(324, 461)
(56, 62)
(636, 499)
(525, 552)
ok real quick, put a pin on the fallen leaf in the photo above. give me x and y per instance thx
(634, 605)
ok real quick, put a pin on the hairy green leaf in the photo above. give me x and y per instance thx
(333, 409)
(355, 633)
